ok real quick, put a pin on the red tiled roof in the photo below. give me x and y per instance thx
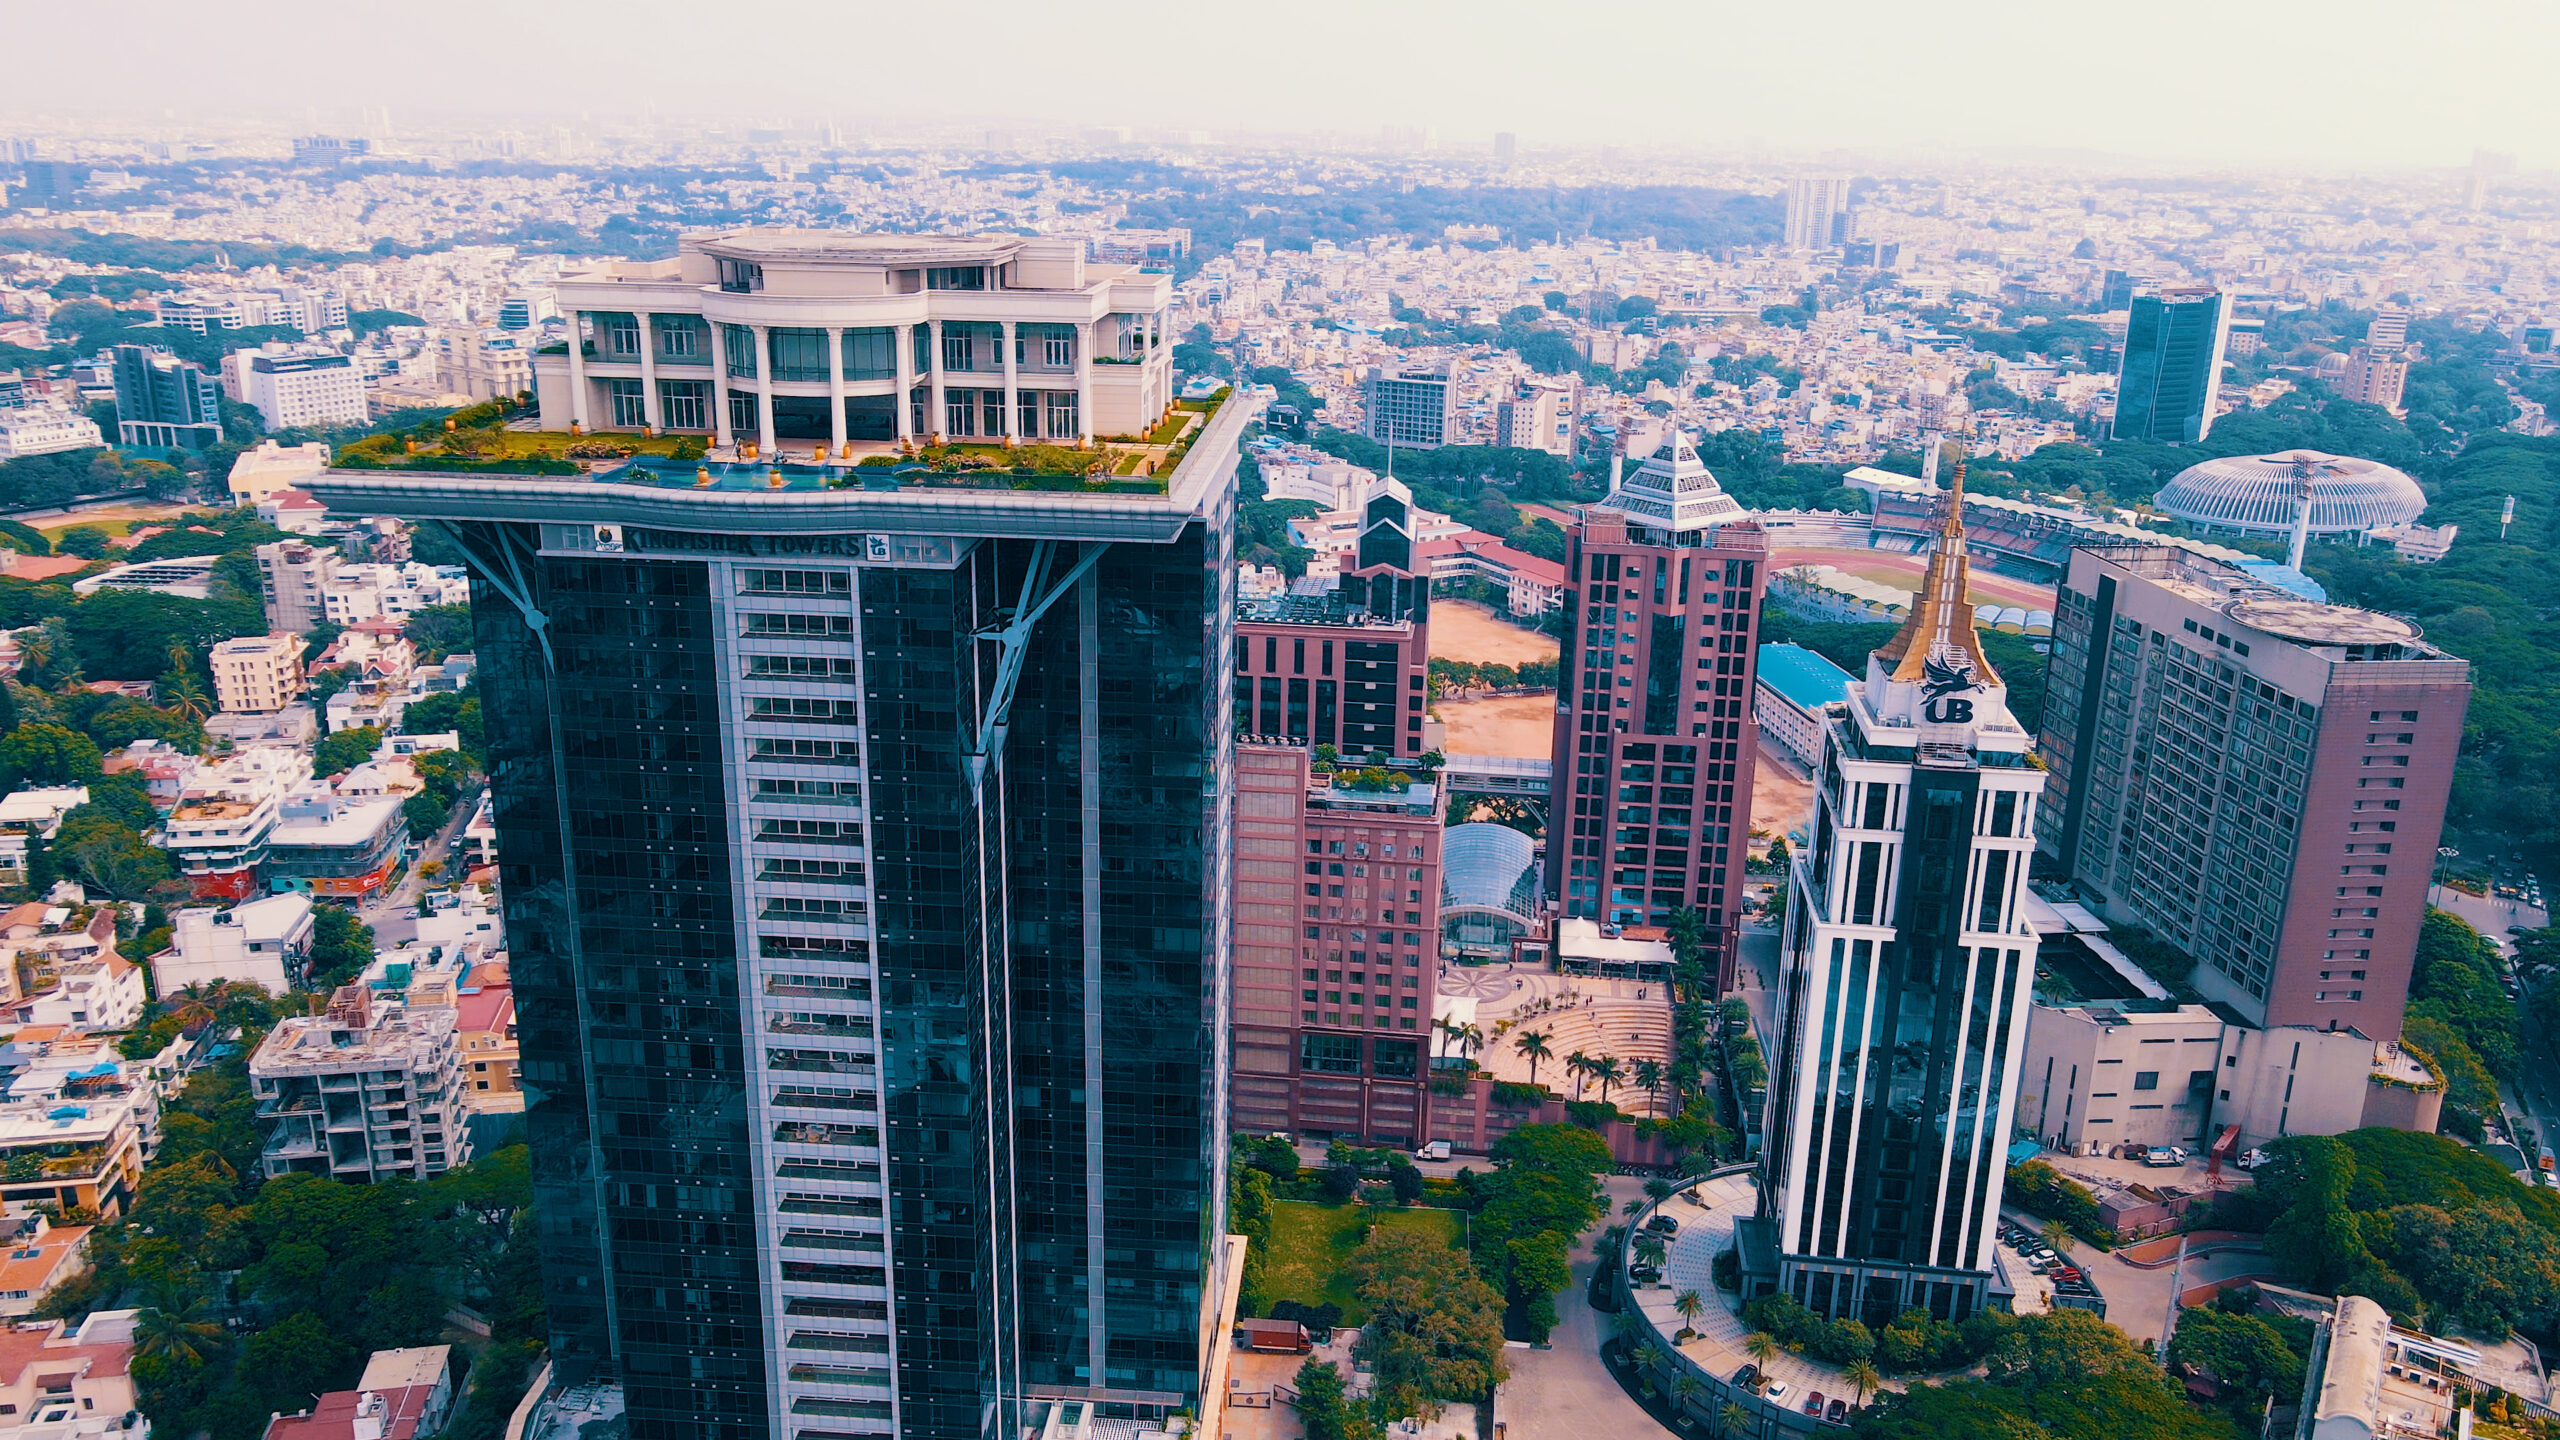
(484, 1011)
(24, 1347)
(333, 1416)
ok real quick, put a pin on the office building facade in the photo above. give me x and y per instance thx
(2171, 375)
(1348, 668)
(1650, 807)
(295, 387)
(2257, 779)
(1908, 968)
(1532, 419)
(762, 336)
(867, 849)
(1337, 941)
(1415, 404)
(163, 402)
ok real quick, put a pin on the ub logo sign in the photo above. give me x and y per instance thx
(1942, 683)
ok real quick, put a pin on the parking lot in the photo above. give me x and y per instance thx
(2044, 1277)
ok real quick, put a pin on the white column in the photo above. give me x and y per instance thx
(935, 417)
(905, 348)
(720, 385)
(577, 373)
(1012, 395)
(764, 392)
(1084, 382)
(835, 386)
(649, 375)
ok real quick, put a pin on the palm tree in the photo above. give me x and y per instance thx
(176, 1329)
(1606, 1071)
(1534, 1046)
(1691, 1305)
(37, 650)
(1650, 1357)
(1761, 1346)
(1733, 1418)
(1657, 1189)
(1578, 1065)
(183, 694)
(1862, 1378)
(2057, 1235)
(1686, 1390)
(1648, 1073)
(1470, 1039)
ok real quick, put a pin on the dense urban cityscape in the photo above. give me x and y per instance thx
(827, 776)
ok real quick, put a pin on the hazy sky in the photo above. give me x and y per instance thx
(2353, 83)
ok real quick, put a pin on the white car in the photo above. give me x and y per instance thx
(1777, 1392)
(2253, 1159)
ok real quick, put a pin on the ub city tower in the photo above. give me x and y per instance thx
(864, 845)
(1908, 971)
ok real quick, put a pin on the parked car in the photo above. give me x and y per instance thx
(1644, 1274)
(1663, 1225)
(1813, 1404)
(1838, 1414)
(1776, 1394)
(1747, 1378)
(2159, 1156)
(1435, 1150)
(2252, 1159)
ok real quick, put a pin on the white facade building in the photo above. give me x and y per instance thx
(45, 430)
(297, 385)
(260, 942)
(258, 474)
(767, 335)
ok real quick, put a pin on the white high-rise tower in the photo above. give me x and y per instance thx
(1909, 968)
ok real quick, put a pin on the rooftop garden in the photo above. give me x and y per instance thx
(476, 439)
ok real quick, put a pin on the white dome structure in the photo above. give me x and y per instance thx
(2256, 494)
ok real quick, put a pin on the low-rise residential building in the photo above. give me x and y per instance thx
(45, 430)
(258, 674)
(293, 573)
(35, 1256)
(333, 845)
(261, 942)
(75, 1150)
(217, 834)
(100, 991)
(363, 1092)
(33, 814)
(402, 1394)
(164, 770)
(486, 1021)
(61, 1382)
(260, 472)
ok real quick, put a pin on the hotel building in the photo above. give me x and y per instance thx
(764, 335)
(1650, 810)
(1908, 967)
(866, 839)
(2257, 779)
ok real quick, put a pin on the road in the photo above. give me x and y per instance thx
(1563, 1392)
(387, 910)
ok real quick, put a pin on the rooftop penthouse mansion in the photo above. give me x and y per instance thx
(763, 336)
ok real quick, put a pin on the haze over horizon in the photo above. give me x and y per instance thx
(2349, 85)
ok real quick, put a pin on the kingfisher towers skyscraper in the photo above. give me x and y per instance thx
(1907, 972)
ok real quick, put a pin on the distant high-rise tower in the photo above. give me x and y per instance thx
(2116, 293)
(1649, 810)
(1414, 404)
(2174, 344)
(2486, 165)
(2388, 332)
(163, 402)
(1817, 211)
(1506, 147)
(1909, 965)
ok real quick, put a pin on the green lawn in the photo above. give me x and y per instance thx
(1311, 1243)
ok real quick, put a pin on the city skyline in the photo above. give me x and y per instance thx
(1968, 82)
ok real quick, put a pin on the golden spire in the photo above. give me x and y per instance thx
(1940, 625)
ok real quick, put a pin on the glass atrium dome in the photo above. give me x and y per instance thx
(1488, 889)
(2255, 494)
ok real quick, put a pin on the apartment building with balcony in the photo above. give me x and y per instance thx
(335, 845)
(366, 1091)
(217, 833)
(78, 1147)
(765, 335)
(59, 1381)
(257, 674)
